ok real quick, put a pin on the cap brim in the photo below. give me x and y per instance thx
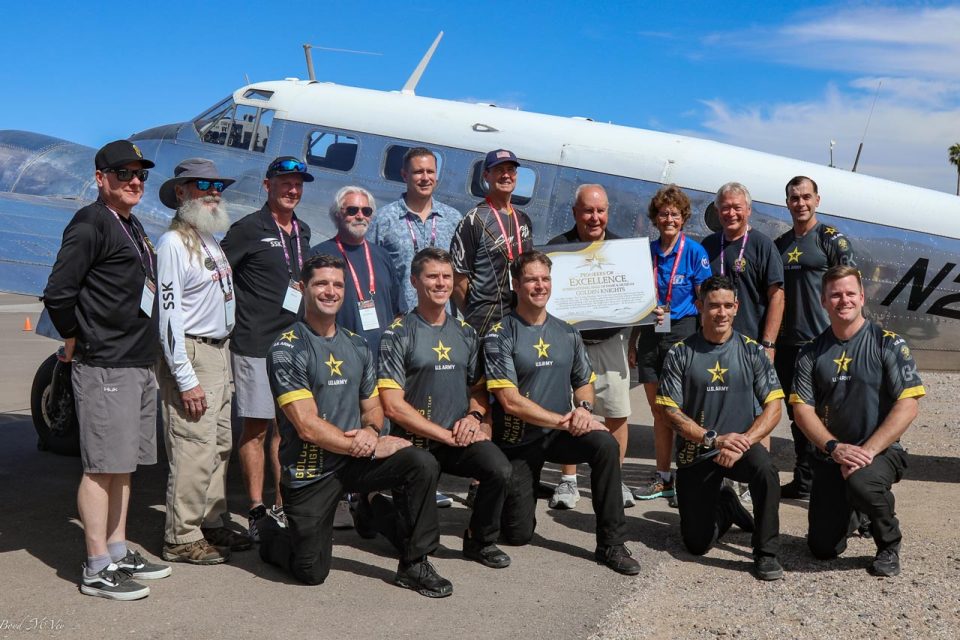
(303, 174)
(499, 162)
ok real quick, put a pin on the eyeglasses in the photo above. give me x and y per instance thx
(204, 185)
(126, 175)
(352, 211)
(669, 214)
(289, 165)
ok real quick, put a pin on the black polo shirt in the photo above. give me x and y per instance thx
(260, 277)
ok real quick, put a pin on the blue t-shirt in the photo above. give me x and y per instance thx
(694, 268)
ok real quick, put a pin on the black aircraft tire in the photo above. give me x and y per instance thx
(64, 440)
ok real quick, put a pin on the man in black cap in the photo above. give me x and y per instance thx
(101, 297)
(197, 311)
(266, 250)
(487, 240)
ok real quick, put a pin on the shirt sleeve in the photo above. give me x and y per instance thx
(766, 384)
(233, 246)
(700, 267)
(475, 359)
(391, 368)
(773, 266)
(900, 375)
(368, 385)
(498, 360)
(581, 373)
(670, 389)
(802, 392)
(288, 371)
(81, 244)
(839, 250)
(170, 269)
(463, 247)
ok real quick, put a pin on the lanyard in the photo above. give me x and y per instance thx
(738, 265)
(413, 236)
(353, 273)
(216, 265)
(673, 273)
(286, 254)
(503, 231)
(148, 265)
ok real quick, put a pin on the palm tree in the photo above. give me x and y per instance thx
(954, 156)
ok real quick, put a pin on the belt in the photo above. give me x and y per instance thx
(216, 342)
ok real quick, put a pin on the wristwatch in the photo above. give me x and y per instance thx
(709, 439)
(586, 405)
(766, 344)
(831, 446)
(476, 414)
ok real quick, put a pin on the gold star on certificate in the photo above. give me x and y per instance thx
(843, 362)
(443, 353)
(334, 365)
(289, 336)
(717, 373)
(794, 256)
(541, 348)
(496, 327)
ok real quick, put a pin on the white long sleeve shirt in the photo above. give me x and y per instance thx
(192, 296)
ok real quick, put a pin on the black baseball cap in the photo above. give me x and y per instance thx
(119, 153)
(499, 156)
(286, 165)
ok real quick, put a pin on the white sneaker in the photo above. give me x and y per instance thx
(628, 499)
(565, 496)
(342, 519)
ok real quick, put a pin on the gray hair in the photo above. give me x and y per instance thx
(584, 187)
(732, 187)
(342, 195)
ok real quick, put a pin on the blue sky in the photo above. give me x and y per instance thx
(779, 77)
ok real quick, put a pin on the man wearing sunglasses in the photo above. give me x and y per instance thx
(101, 297)
(197, 311)
(266, 251)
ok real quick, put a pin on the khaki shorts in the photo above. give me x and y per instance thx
(117, 413)
(252, 387)
(612, 386)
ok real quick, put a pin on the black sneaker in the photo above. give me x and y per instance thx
(767, 568)
(141, 568)
(735, 511)
(489, 555)
(424, 579)
(886, 564)
(794, 491)
(112, 583)
(254, 517)
(618, 558)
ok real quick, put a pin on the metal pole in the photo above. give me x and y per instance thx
(309, 56)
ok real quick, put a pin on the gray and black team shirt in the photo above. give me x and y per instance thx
(854, 383)
(480, 252)
(434, 366)
(805, 260)
(336, 373)
(761, 268)
(717, 386)
(544, 362)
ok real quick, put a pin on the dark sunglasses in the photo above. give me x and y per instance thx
(288, 165)
(126, 175)
(204, 185)
(352, 211)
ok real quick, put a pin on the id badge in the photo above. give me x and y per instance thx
(147, 297)
(368, 315)
(665, 326)
(291, 301)
(229, 310)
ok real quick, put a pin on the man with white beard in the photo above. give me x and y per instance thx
(197, 310)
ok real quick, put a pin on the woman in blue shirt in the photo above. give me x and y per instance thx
(680, 264)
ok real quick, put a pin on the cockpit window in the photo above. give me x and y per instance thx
(331, 150)
(237, 126)
(211, 125)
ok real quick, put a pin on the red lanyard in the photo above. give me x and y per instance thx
(503, 231)
(433, 233)
(286, 254)
(353, 273)
(148, 266)
(738, 265)
(673, 273)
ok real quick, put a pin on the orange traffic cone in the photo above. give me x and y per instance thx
(26, 324)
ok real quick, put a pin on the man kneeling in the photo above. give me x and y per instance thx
(719, 376)
(322, 377)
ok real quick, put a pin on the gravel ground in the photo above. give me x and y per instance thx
(681, 596)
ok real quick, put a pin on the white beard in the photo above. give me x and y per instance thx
(204, 218)
(356, 229)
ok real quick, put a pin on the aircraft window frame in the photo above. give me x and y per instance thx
(476, 185)
(257, 146)
(392, 174)
(338, 138)
(212, 117)
(257, 94)
(238, 137)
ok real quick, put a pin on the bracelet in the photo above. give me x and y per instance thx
(476, 414)
(766, 344)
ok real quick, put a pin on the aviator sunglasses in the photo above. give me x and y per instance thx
(352, 211)
(289, 165)
(126, 175)
(204, 185)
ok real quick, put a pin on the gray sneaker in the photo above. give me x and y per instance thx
(656, 488)
(142, 569)
(112, 583)
(565, 496)
(628, 499)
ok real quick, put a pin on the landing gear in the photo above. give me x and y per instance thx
(51, 404)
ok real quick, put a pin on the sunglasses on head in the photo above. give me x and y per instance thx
(352, 211)
(204, 185)
(288, 165)
(126, 175)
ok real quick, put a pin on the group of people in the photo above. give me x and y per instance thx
(417, 341)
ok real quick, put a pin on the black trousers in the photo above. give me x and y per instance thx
(698, 494)
(304, 547)
(599, 450)
(833, 500)
(784, 362)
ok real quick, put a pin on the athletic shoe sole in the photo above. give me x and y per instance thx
(402, 582)
(125, 596)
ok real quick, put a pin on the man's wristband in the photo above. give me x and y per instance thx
(476, 414)
(766, 344)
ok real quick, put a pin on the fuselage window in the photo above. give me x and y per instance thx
(258, 94)
(522, 194)
(393, 162)
(331, 150)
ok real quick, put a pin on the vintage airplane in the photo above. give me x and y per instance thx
(907, 239)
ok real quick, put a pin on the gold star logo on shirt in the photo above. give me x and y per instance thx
(496, 327)
(289, 336)
(830, 230)
(717, 373)
(443, 353)
(889, 334)
(396, 324)
(749, 340)
(794, 256)
(843, 362)
(541, 348)
(334, 365)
